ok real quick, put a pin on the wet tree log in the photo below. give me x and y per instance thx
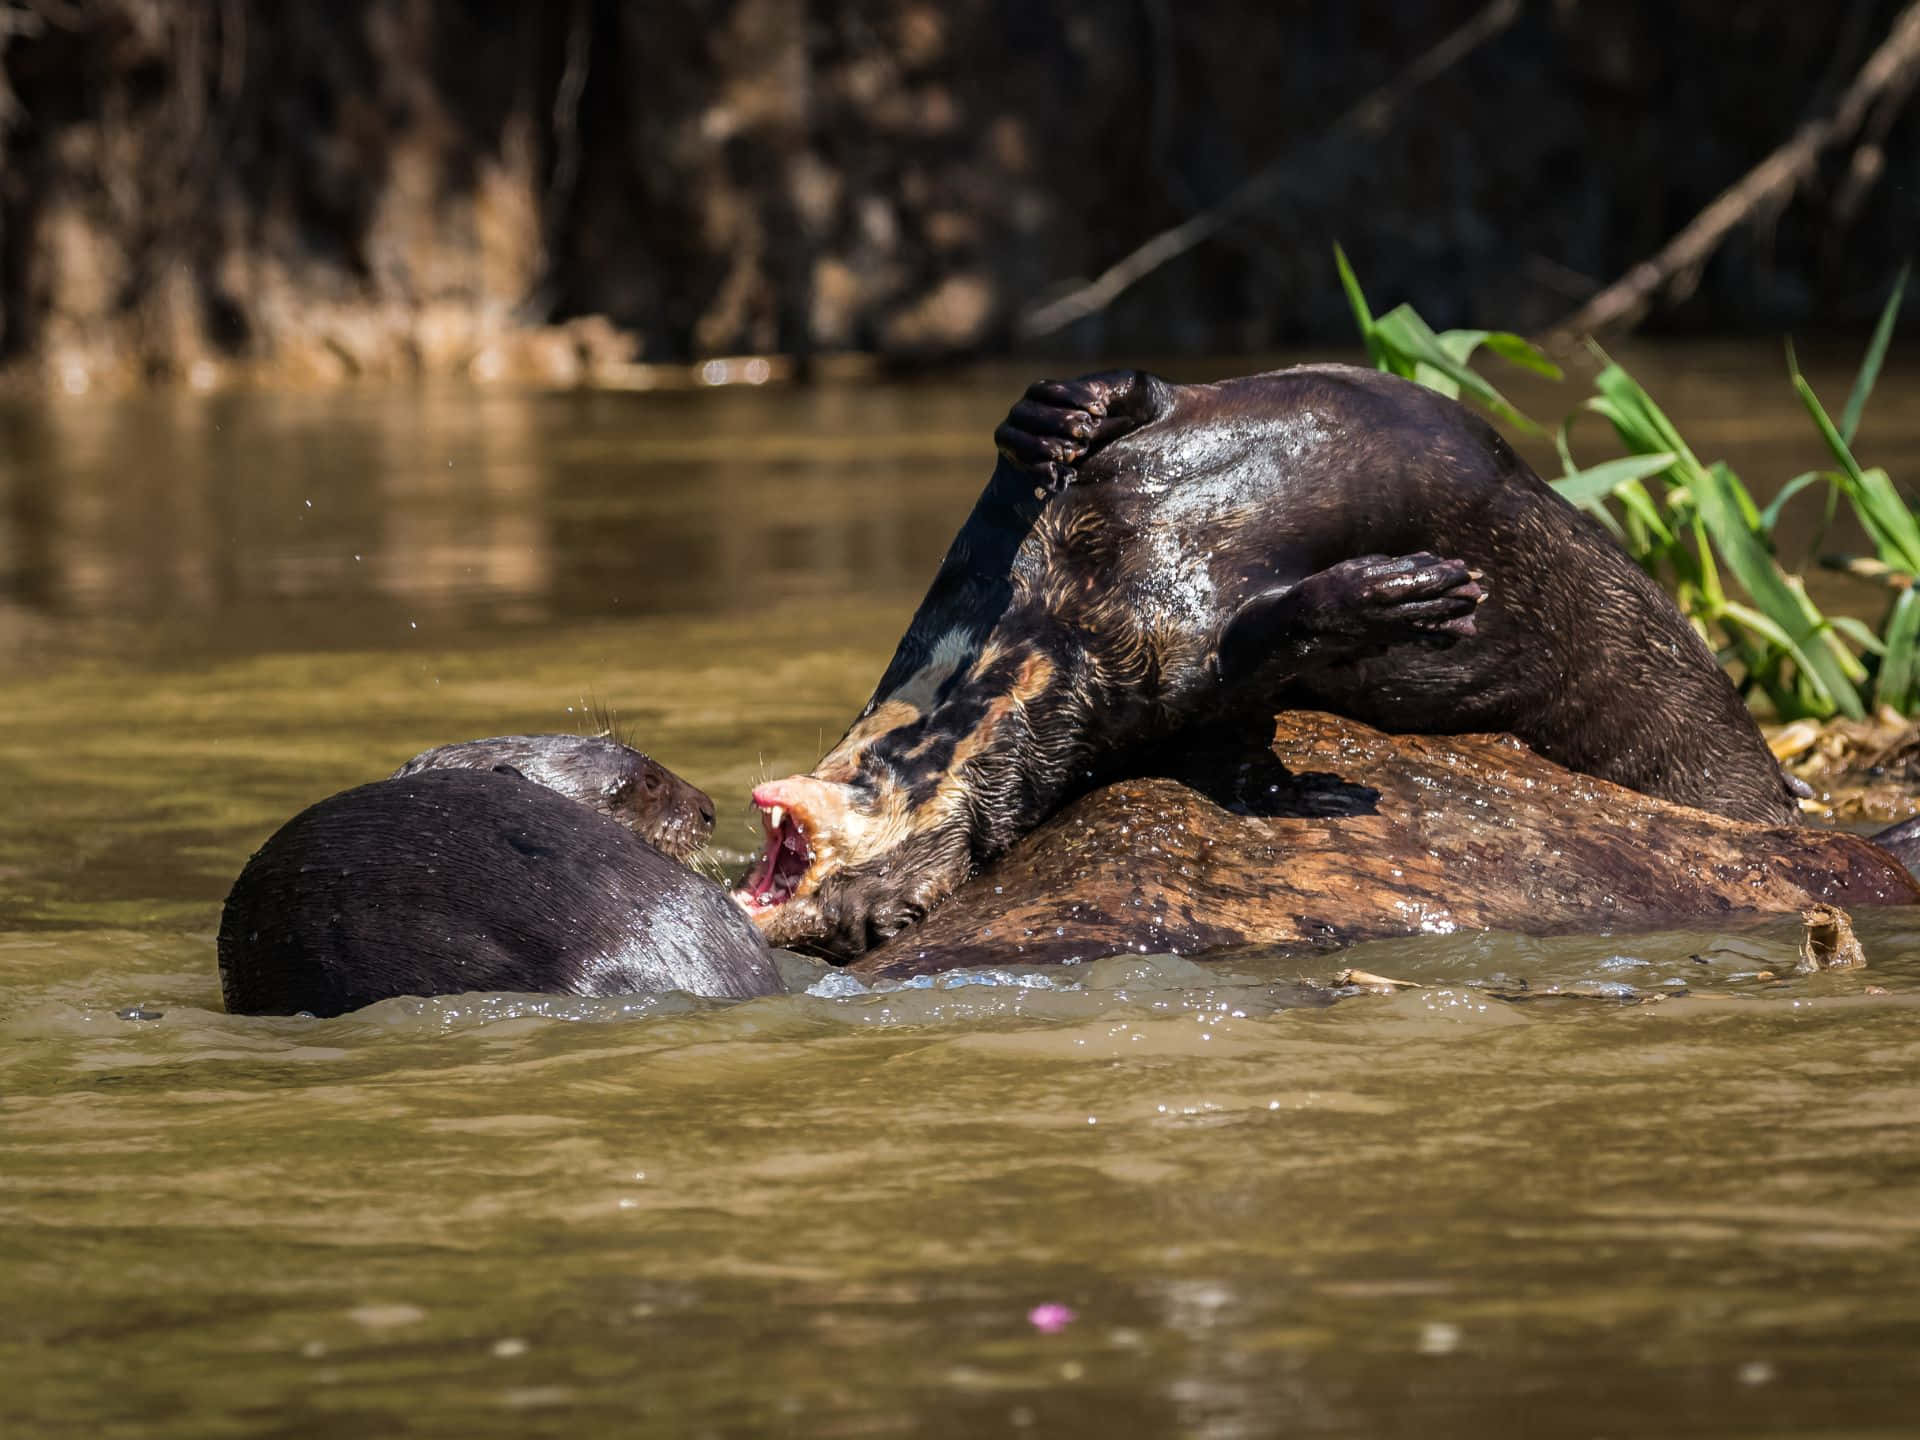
(1376, 835)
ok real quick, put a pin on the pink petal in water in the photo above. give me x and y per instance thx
(1050, 1319)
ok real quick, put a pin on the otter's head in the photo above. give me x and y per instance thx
(832, 836)
(597, 771)
(674, 817)
(893, 819)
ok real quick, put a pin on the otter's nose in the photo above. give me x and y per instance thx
(706, 815)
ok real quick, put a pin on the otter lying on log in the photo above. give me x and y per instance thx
(1149, 558)
(1356, 835)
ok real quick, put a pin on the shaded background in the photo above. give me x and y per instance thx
(349, 187)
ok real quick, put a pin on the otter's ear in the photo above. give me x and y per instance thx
(508, 770)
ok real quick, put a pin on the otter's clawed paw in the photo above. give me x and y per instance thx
(1058, 423)
(1354, 608)
(860, 917)
(1421, 592)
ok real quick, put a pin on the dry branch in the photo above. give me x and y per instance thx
(1369, 117)
(1884, 84)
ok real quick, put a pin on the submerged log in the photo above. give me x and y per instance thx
(1366, 835)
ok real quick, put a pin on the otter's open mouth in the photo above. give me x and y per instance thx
(789, 859)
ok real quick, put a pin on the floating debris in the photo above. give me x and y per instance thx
(1379, 984)
(1858, 769)
(1829, 942)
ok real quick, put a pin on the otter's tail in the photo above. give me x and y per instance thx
(1902, 841)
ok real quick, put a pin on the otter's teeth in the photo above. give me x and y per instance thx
(776, 815)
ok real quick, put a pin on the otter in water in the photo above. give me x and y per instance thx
(596, 770)
(442, 881)
(1150, 559)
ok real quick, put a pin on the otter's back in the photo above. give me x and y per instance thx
(451, 881)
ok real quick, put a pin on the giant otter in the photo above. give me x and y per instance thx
(1150, 559)
(441, 881)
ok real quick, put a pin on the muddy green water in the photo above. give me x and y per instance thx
(1438, 1214)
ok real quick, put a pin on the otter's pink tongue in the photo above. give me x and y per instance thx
(785, 863)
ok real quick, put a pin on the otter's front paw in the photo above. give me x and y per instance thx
(861, 916)
(1348, 610)
(1379, 594)
(1058, 423)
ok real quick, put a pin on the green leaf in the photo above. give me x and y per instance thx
(1898, 673)
(1405, 332)
(1773, 593)
(1753, 620)
(1563, 443)
(1431, 378)
(1640, 506)
(1643, 426)
(1460, 344)
(1876, 356)
(1710, 587)
(1356, 297)
(1860, 633)
(1363, 316)
(1514, 349)
(1885, 515)
(1889, 519)
(1584, 487)
(1517, 350)
(1770, 516)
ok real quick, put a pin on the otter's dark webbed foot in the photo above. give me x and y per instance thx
(1350, 609)
(1059, 423)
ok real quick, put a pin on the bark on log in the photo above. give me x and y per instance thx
(1465, 833)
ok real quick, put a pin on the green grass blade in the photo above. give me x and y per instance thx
(1404, 331)
(1751, 619)
(1518, 350)
(1860, 633)
(1888, 517)
(1710, 588)
(1644, 426)
(1514, 349)
(1633, 495)
(1770, 516)
(1362, 315)
(1563, 443)
(1773, 594)
(1356, 297)
(1584, 487)
(1841, 450)
(1876, 356)
(1431, 378)
(1885, 515)
(1898, 668)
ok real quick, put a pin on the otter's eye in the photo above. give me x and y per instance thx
(617, 790)
(653, 782)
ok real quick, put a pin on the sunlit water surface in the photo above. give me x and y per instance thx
(1677, 1198)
